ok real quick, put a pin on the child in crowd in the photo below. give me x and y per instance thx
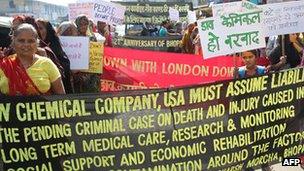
(250, 68)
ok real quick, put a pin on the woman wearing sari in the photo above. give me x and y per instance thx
(25, 72)
(67, 28)
(85, 82)
(50, 41)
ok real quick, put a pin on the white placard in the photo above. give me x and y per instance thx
(231, 34)
(173, 14)
(191, 16)
(80, 8)
(77, 50)
(233, 7)
(283, 18)
(109, 12)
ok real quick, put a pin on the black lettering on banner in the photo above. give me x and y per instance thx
(227, 125)
(149, 43)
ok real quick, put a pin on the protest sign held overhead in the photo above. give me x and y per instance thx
(77, 50)
(230, 125)
(283, 18)
(76, 9)
(173, 14)
(109, 12)
(231, 33)
(191, 17)
(233, 7)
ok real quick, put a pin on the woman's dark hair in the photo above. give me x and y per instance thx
(255, 52)
(52, 39)
(53, 42)
(164, 22)
(78, 20)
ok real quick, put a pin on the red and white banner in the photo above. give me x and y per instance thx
(129, 69)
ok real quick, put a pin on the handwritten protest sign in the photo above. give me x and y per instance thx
(191, 16)
(109, 12)
(237, 7)
(80, 8)
(173, 14)
(283, 18)
(77, 49)
(96, 57)
(231, 33)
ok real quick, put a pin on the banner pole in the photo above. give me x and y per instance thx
(283, 45)
(235, 66)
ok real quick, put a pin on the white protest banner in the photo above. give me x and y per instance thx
(77, 50)
(80, 8)
(231, 33)
(224, 8)
(173, 14)
(283, 18)
(236, 7)
(109, 12)
(191, 17)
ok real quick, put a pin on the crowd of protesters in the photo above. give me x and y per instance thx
(282, 52)
(35, 62)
